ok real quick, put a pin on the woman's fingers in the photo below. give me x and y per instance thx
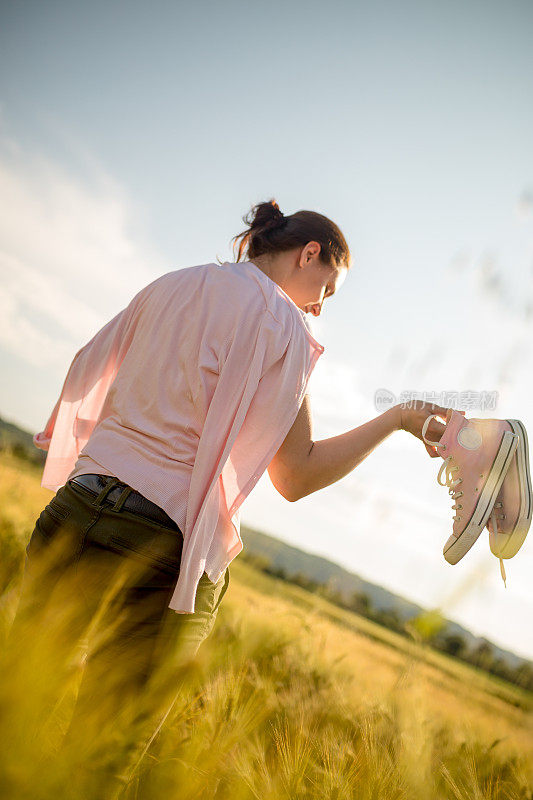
(435, 430)
(440, 410)
(414, 422)
(434, 433)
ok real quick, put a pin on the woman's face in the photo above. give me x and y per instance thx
(312, 282)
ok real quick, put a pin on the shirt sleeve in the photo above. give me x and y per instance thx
(89, 377)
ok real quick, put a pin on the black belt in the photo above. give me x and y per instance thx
(135, 501)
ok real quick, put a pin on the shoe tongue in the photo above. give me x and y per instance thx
(454, 422)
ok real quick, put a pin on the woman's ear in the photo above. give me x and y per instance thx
(310, 250)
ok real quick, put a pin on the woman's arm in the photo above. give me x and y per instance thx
(302, 466)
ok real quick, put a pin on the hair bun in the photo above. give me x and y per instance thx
(267, 215)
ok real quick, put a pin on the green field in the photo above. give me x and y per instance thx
(291, 697)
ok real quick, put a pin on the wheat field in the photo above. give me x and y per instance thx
(290, 697)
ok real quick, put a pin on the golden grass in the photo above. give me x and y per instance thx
(290, 697)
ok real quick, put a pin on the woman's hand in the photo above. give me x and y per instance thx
(412, 417)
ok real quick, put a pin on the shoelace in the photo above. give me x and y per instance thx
(454, 493)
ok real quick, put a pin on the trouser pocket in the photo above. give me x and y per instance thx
(182, 634)
(209, 594)
(221, 591)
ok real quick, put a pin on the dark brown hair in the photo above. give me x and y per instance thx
(270, 231)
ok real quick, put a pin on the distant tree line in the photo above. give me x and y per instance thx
(16, 448)
(482, 655)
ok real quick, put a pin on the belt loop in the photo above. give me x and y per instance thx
(122, 499)
(101, 497)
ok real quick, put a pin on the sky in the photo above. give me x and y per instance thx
(134, 137)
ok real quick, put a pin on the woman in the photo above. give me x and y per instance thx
(167, 419)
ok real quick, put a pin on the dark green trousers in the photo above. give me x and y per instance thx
(105, 576)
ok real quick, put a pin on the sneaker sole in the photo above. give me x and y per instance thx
(455, 548)
(508, 545)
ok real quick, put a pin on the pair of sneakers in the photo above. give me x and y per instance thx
(486, 468)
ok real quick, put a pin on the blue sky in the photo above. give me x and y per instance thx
(134, 137)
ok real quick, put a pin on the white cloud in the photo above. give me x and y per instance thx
(25, 339)
(336, 398)
(68, 258)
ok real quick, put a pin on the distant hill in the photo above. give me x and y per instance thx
(20, 442)
(293, 561)
(286, 557)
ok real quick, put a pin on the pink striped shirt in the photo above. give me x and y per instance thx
(186, 396)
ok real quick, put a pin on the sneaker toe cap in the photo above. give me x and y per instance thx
(452, 550)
